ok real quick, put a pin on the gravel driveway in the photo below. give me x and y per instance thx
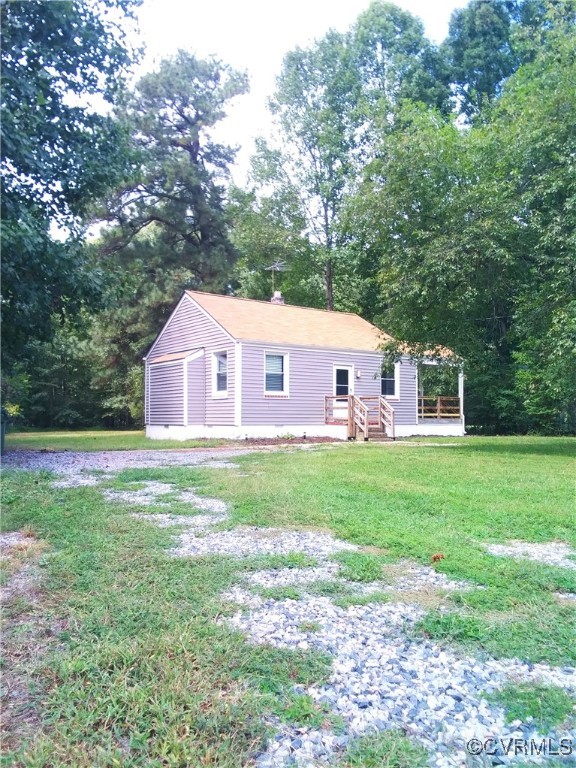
(73, 463)
(383, 675)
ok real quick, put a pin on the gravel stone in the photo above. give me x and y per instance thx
(414, 578)
(153, 492)
(245, 541)
(550, 553)
(82, 479)
(12, 539)
(73, 463)
(372, 685)
(570, 596)
(167, 521)
(286, 577)
(150, 494)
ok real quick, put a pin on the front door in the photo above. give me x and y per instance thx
(343, 386)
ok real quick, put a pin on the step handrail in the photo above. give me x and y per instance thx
(358, 416)
(386, 416)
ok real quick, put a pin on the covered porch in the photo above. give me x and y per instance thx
(440, 394)
(439, 409)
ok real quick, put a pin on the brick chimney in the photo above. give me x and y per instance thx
(277, 298)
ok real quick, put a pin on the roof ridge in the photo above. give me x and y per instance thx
(269, 303)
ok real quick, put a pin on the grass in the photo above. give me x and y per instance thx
(414, 502)
(361, 566)
(140, 672)
(96, 440)
(390, 749)
(279, 593)
(301, 710)
(309, 626)
(545, 705)
(275, 562)
(345, 601)
(328, 588)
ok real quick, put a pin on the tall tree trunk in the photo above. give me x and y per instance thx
(328, 278)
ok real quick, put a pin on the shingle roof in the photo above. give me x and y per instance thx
(173, 356)
(246, 319)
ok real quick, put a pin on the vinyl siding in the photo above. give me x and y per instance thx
(197, 390)
(146, 394)
(311, 377)
(406, 408)
(166, 394)
(220, 410)
(190, 328)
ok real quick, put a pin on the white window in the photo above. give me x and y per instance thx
(390, 381)
(220, 374)
(276, 374)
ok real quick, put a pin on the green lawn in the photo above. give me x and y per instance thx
(96, 440)
(142, 674)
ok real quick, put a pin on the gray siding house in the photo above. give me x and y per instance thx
(229, 367)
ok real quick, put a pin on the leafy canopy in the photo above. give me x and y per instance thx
(59, 152)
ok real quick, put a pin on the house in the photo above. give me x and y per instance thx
(230, 367)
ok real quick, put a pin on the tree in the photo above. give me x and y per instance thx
(269, 230)
(57, 375)
(535, 124)
(488, 40)
(473, 235)
(439, 241)
(314, 104)
(58, 152)
(481, 54)
(330, 98)
(396, 63)
(177, 192)
(168, 229)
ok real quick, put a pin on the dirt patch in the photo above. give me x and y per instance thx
(299, 441)
(391, 572)
(428, 598)
(370, 550)
(26, 634)
(20, 552)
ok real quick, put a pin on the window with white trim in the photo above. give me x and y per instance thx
(389, 381)
(276, 375)
(220, 374)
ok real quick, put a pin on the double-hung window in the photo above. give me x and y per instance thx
(389, 381)
(276, 375)
(220, 379)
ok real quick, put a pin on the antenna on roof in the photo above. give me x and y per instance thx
(278, 266)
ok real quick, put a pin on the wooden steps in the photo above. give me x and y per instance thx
(369, 418)
(378, 435)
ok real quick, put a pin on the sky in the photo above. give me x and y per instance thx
(254, 36)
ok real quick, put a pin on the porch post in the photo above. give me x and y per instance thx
(461, 394)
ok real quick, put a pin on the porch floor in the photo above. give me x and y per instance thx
(439, 421)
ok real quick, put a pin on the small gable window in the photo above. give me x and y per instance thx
(220, 374)
(276, 383)
(389, 381)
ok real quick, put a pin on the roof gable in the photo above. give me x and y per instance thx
(249, 320)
